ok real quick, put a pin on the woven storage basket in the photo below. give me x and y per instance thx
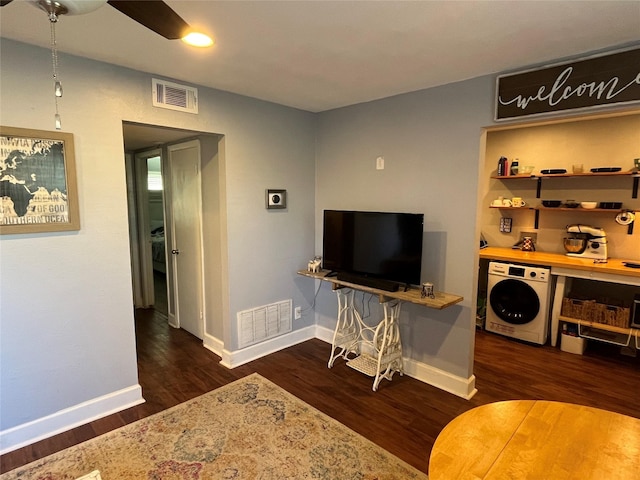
(611, 315)
(593, 311)
(575, 308)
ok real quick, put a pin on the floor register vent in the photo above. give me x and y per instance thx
(262, 323)
(174, 96)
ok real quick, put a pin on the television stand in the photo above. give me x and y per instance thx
(373, 350)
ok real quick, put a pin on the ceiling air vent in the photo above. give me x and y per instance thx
(174, 97)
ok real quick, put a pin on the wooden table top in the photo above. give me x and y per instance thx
(412, 295)
(613, 265)
(535, 439)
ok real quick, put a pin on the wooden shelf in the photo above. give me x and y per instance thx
(567, 209)
(635, 174)
(585, 210)
(540, 208)
(412, 295)
(526, 207)
(568, 174)
(513, 177)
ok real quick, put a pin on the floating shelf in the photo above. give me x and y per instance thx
(635, 174)
(554, 175)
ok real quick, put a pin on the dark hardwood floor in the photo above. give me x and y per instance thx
(404, 416)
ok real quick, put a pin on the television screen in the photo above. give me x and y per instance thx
(378, 245)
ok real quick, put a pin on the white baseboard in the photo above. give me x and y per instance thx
(63, 420)
(240, 357)
(325, 334)
(171, 318)
(212, 343)
(459, 386)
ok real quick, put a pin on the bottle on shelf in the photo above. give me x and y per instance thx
(502, 166)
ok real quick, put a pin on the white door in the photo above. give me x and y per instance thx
(186, 238)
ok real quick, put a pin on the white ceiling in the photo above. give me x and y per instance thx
(320, 55)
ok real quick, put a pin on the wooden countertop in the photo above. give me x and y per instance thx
(442, 300)
(613, 265)
(521, 439)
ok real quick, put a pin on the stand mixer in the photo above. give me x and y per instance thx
(586, 242)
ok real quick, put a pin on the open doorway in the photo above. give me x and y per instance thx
(152, 153)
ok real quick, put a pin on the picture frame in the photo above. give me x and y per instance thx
(38, 190)
(276, 199)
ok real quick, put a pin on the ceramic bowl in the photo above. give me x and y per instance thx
(551, 203)
(525, 169)
(588, 205)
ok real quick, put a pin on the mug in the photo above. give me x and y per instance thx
(496, 203)
(506, 202)
(517, 202)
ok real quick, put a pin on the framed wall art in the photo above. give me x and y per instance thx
(38, 191)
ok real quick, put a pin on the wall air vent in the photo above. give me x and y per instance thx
(174, 96)
(264, 322)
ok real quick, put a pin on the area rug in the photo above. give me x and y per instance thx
(249, 429)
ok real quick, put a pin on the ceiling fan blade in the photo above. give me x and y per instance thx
(156, 15)
(5, 2)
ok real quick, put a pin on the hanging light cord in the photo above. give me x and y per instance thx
(53, 19)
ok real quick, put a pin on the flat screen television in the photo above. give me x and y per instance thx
(362, 247)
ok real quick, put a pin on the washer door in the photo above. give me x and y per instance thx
(514, 301)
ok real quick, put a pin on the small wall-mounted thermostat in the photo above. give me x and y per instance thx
(276, 199)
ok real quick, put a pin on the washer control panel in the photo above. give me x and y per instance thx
(526, 272)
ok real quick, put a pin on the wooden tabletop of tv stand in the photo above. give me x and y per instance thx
(412, 295)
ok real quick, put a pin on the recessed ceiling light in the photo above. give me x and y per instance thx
(197, 39)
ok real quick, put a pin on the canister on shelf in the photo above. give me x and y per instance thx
(514, 167)
(427, 290)
(502, 164)
(527, 245)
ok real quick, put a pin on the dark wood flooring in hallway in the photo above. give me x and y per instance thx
(404, 416)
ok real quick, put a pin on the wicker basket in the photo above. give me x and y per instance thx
(593, 311)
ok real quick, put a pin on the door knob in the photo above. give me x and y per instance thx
(175, 251)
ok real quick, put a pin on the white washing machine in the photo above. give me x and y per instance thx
(519, 301)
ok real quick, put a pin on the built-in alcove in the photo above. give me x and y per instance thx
(595, 141)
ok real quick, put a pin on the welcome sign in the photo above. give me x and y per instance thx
(593, 82)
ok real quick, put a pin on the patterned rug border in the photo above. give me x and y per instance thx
(252, 377)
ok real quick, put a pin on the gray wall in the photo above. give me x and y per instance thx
(67, 330)
(430, 141)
